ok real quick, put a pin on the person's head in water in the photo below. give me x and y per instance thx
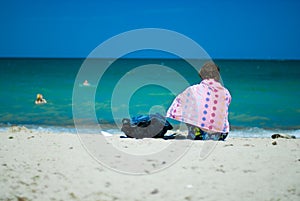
(39, 97)
(210, 71)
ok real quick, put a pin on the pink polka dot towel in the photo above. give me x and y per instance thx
(204, 105)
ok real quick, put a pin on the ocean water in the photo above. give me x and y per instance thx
(265, 93)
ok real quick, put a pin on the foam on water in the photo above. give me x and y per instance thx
(261, 133)
(236, 133)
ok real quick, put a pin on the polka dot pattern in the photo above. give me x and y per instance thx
(204, 105)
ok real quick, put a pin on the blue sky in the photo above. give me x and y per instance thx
(233, 29)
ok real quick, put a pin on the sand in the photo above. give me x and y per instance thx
(49, 166)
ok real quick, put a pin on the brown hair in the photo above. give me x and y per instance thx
(210, 71)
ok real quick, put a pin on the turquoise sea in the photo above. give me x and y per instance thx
(264, 93)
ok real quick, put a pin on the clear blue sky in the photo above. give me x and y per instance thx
(234, 29)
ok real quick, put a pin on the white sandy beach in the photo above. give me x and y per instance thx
(45, 166)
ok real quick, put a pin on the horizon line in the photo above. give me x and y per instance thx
(228, 59)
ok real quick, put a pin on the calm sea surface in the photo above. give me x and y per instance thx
(265, 94)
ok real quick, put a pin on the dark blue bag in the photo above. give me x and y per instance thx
(146, 126)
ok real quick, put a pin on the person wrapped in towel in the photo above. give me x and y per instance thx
(204, 106)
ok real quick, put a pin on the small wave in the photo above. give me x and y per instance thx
(56, 129)
(35, 129)
(261, 132)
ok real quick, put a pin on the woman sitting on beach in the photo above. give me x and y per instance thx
(40, 99)
(204, 107)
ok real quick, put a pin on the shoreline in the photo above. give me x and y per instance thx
(247, 132)
(46, 166)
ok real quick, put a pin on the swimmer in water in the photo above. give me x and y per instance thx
(40, 99)
(86, 83)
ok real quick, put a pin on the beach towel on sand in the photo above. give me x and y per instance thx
(204, 105)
